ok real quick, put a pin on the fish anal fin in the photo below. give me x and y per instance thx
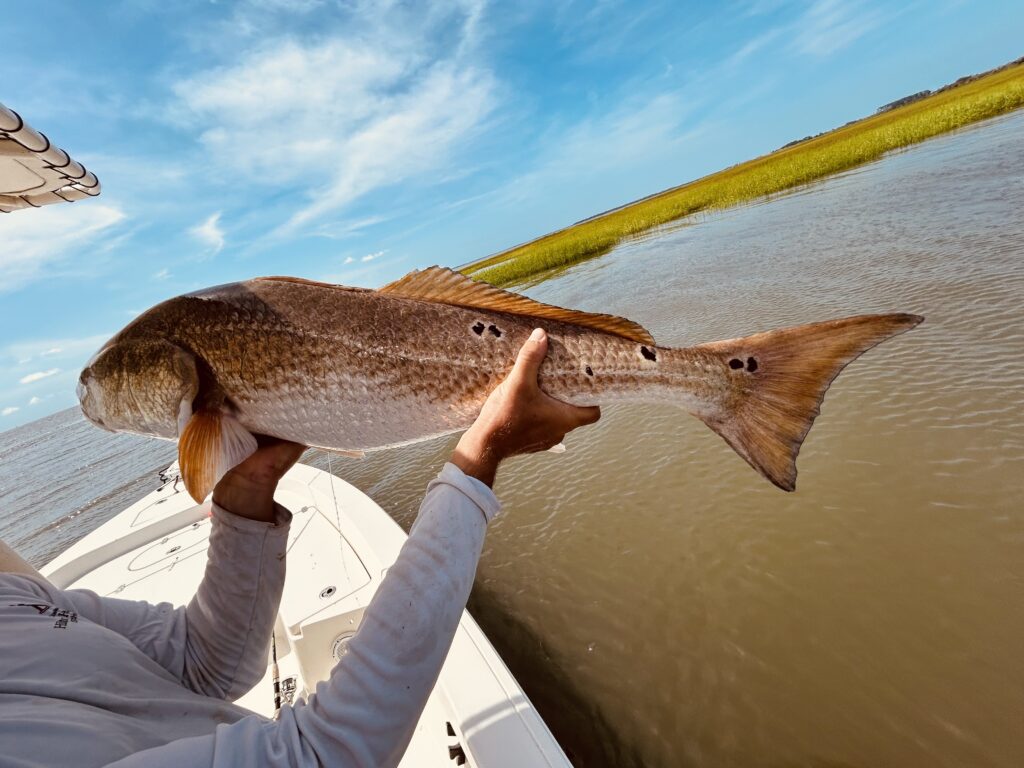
(446, 286)
(210, 444)
(778, 380)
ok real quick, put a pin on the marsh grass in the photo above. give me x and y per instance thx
(852, 145)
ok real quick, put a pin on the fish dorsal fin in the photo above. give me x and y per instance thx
(304, 281)
(445, 286)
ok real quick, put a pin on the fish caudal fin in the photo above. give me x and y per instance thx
(210, 444)
(779, 379)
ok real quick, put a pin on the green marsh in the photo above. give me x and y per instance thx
(860, 142)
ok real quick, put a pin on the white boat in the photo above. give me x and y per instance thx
(340, 546)
(339, 549)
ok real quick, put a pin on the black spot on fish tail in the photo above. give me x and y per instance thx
(751, 364)
(589, 370)
(478, 329)
(649, 354)
(494, 331)
(735, 364)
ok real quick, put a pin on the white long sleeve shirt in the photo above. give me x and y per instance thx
(96, 681)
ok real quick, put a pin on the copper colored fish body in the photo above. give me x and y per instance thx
(349, 369)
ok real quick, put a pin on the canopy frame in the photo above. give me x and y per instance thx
(34, 172)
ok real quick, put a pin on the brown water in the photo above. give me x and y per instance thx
(661, 603)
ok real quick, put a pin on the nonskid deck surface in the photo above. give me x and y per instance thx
(339, 548)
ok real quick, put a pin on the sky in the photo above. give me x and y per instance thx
(355, 141)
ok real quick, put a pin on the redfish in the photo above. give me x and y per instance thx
(353, 370)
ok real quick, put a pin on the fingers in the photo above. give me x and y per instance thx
(289, 452)
(530, 358)
(586, 415)
(552, 443)
(573, 416)
(570, 416)
(266, 441)
(274, 454)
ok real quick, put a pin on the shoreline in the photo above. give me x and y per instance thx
(969, 100)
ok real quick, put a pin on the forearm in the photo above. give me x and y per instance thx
(476, 458)
(246, 498)
(217, 645)
(365, 714)
(232, 614)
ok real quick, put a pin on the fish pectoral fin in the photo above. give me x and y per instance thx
(560, 448)
(210, 444)
(351, 454)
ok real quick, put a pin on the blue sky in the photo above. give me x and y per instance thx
(354, 141)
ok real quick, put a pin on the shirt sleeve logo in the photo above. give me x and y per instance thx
(63, 617)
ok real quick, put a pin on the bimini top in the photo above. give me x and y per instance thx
(33, 172)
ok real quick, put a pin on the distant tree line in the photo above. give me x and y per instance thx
(917, 97)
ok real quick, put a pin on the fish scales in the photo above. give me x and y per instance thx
(360, 374)
(354, 370)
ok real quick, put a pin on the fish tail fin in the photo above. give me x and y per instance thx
(779, 380)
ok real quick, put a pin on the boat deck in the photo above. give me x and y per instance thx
(340, 546)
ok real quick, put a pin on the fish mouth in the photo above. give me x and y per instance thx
(88, 401)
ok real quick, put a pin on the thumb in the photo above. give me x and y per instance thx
(530, 357)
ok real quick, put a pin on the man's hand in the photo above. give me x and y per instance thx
(518, 417)
(248, 489)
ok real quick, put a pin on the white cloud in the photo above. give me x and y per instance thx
(760, 7)
(391, 100)
(62, 349)
(372, 256)
(751, 47)
(338, 230)
(362, 275)
(209, 234)
(348, 260)
(163, 274)
(831, 25)
(593, 30)
(591, 150)
(9, 410)
(37, 243)
(41, 389)
(295, 6)
(38, 376)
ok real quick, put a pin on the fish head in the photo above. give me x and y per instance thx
(141, 386)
